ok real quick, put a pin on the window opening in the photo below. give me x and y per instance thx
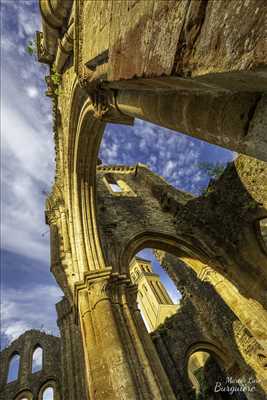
(13, 371)
(48, 394)
(115, 188)
(37, 359)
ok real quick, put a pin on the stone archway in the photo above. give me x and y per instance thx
(198, 356)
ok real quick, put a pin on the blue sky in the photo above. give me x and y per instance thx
(28, 290)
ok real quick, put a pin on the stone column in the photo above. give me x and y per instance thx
(73, 366)
(177, 381)
(118, 365)
(225, 119)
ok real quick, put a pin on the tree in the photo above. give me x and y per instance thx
(212, 170)
(31, 47)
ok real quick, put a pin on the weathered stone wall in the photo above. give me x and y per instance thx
(125, 216)
(153, 37)
(172, 341)
(28, 381)
(217, 229)
(213, 327)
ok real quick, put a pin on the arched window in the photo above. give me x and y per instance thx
(13, 371)
(117, 186)
(37, 359)
(48, 393)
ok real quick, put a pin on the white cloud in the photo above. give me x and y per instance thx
(169, 167)
(170, 154)
(110, 153)
(28, 309)
(27, 165)
(32, 91)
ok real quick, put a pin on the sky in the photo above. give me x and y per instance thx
(28, 290)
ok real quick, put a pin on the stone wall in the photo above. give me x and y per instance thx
(216, 229)
(148, 38)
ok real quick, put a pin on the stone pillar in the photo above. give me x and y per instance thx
(118, 365)
(73, 366)
(182, 391)
(224, 119)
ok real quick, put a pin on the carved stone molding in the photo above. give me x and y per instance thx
(122, 169)
(101, 103)
(105, 109)
(97, 291)
(207, 274)
(54, 203)
(131, 294)
(42, 54)
(103, 100)
(105, 285)
(51, 217)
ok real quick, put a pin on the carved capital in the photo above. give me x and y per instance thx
(50, 86)
(104, 285)
(131, 296)
(95, 285)
(100, 99)
(97, 291)
(42, 54)
(51, 217)
(54, 203)
(103, 101)
(52, 89)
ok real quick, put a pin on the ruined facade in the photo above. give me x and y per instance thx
(26, 383)
(60, 368)
(198, 67)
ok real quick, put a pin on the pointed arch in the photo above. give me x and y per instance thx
(37, 359)
(85, 134)
(48, 393)
(13, 367)
(24, 395)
